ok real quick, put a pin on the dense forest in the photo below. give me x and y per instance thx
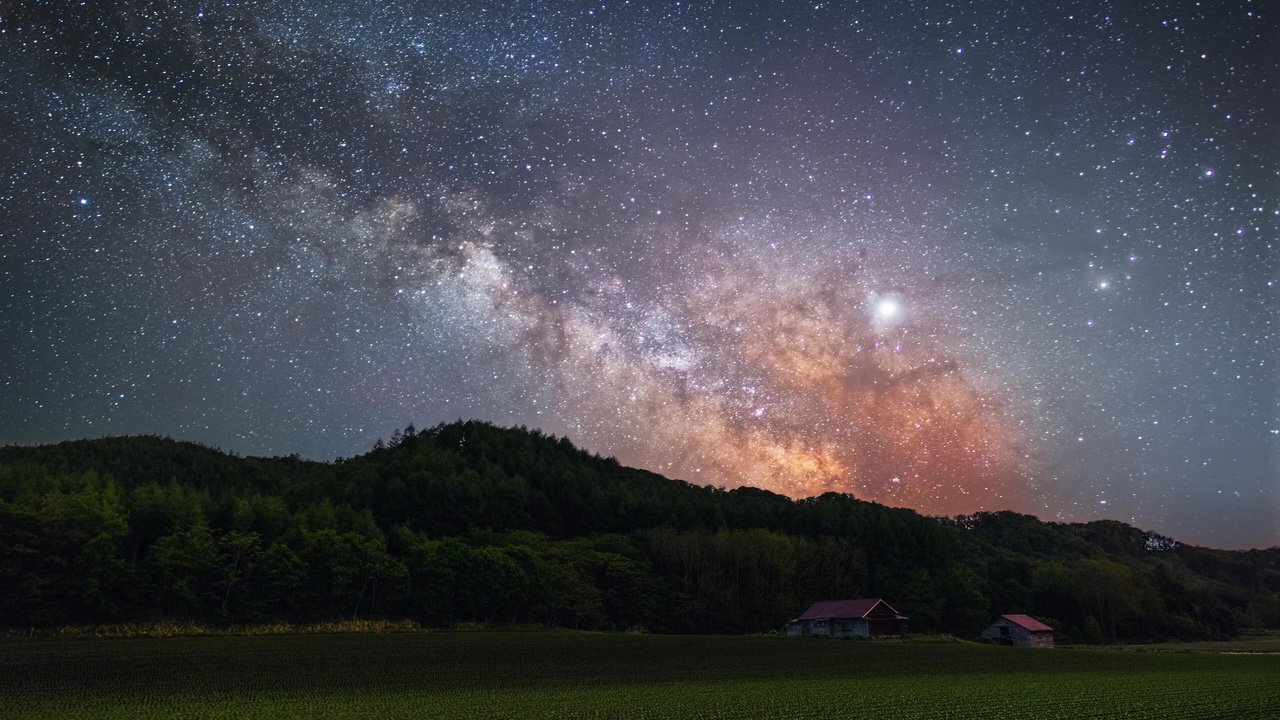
(468, 522)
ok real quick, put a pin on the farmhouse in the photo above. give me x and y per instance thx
(1020, 630)
(867, 617)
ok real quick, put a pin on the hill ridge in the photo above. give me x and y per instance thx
(468, 521)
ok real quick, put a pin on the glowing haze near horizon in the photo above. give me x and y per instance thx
(951, 256)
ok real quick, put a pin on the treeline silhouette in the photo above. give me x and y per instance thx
(468, 522)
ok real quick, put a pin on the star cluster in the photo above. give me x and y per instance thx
(950, 256)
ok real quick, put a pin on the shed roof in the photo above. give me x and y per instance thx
(1028, 622)
(827, 609)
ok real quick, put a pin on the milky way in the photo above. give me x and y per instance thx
(951, 257)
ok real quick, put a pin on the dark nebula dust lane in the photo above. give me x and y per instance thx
(953, 257)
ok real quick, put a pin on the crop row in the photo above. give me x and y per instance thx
(594, 676)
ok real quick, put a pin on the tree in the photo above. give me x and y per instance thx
(243, 551)
(283, 580)
(187, 566)
(1106, 591)
(79, 569)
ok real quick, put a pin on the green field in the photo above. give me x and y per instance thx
(582, 675)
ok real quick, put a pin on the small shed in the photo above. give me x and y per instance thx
(865, 617)
(1020, 630)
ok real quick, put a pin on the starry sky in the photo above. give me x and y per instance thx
(950, 256)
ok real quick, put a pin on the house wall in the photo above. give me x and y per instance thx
(847, 628)
(882, 621)
(844, 628)
(1021, 636)
(1009, 635)
(883, 626)
(1042, 639)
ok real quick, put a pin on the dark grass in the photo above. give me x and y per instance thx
(561, 674)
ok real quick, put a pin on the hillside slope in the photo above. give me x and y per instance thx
(470, 522)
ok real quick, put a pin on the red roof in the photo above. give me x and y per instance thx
(827, 609)
(1027, 622)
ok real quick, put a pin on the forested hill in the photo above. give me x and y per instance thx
(468, 522)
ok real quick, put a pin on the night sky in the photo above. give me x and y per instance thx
(950, 256)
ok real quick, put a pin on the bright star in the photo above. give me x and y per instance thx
(886, 312)
(887, 309)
